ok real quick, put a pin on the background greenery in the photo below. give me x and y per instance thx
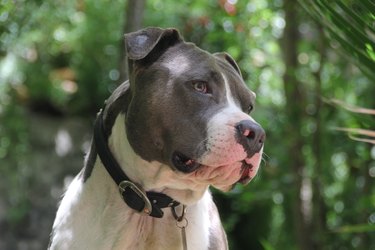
(59, 60)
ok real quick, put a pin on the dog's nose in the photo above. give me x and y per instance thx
(251, 135)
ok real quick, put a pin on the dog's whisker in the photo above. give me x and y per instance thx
(265, 157)
(201, 147)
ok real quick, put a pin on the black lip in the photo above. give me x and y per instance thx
(245, 172)
(183, 163)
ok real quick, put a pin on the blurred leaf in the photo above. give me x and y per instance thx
(266, 245)
(360, 228)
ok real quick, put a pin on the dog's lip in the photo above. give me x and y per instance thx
(246, 169)
(187, 165)
(184, 163)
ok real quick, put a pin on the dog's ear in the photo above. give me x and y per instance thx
(229, 59)
(117, 103)
(139, 44)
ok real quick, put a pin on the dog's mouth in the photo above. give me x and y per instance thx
(183, 163)
(246, 169)
(187, 165)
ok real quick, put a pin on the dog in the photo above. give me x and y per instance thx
(180, 124)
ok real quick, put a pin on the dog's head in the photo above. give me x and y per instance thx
(189, 109)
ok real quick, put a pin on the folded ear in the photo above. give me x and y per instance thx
(140, 43)
(228, 58)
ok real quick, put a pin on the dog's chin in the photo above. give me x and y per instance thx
(246, 174)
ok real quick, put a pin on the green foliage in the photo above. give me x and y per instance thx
(356, 228)
(350, 24)
(14, 146)
(61, 41)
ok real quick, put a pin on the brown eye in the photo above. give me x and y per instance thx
(250, 108)
(200, 87)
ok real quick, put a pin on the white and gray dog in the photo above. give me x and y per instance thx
(180, 124)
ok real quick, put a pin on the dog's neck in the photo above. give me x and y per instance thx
(96, 212)
(93, 209)
(123, 223)
(152, 176)
(106, 222)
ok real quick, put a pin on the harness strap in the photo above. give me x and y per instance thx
(150, 203)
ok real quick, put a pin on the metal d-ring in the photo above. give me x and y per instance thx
(147, 209)
(182, 223)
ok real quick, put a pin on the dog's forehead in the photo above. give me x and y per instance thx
(191, 61)
(186, 57)
(178, 64)
(188, 60)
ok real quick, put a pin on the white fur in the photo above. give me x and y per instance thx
(177, 65)
(224, 154)
(92, 215)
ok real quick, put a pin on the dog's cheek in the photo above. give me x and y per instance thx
(158, 143)
(144, 140)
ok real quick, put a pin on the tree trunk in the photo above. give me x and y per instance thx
(319, 206)
(133, 21)
(295, 105)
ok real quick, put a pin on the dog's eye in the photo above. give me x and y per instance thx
(250, 108)
(200, 86)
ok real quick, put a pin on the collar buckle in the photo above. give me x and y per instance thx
(147, 209)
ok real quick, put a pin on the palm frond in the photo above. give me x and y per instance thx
(354, 133)
(351, 25)
(351, 108)
(357, 134)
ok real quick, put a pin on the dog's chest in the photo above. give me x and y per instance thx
(116, 226)
(143, 232)
(161, 234)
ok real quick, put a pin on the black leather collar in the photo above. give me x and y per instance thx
(135, 197)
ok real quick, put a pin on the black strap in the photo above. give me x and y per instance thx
(137, 200)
